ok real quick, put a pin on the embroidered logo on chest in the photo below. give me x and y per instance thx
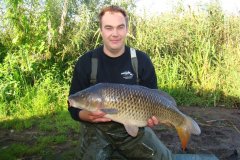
(127, 75)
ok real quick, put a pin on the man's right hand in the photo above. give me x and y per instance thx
(93, 117)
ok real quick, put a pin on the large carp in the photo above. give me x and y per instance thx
(133, 105)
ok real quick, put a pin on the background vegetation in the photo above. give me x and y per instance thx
(196, 55)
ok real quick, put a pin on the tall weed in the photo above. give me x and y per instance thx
(194, 54)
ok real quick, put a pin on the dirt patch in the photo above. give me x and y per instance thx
(220, 133)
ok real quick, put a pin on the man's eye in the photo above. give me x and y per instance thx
(108, 28)
(121, 27)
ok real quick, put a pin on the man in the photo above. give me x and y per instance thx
(102, 138)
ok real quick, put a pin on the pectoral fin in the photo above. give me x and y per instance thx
(109, 110)
(131, 130)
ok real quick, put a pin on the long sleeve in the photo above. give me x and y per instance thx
(146, 71)
(80, 81)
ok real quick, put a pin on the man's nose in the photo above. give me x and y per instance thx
(115, 32)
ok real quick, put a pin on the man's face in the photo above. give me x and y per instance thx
(114, 31)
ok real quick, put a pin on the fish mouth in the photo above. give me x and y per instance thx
(71, 102)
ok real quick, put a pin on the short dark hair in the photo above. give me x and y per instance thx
(112, 9)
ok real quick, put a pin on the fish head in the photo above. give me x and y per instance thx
(85, 99)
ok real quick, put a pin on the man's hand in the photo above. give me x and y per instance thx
(152, 121)
(93, 117)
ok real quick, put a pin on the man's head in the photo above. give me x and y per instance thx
(114, 28)
(112, 9)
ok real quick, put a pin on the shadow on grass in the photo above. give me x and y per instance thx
(52, 136)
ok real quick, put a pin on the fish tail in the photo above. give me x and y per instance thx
(186, 129)
(184, 136)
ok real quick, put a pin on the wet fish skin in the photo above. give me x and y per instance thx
(133, 105)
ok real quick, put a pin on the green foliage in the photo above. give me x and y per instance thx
(192, 53)
(196, 57)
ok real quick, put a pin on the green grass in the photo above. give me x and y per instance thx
(13, 151)
(51, 136)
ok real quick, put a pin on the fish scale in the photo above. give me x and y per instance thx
(133, 105)
(126, 100)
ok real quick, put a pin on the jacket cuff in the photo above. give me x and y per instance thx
(74, 112)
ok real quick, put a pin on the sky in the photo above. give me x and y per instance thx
(159, 6)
